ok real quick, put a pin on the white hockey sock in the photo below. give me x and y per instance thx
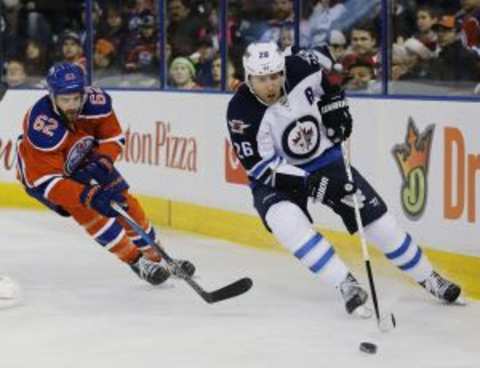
(293, 230)
(399, 247)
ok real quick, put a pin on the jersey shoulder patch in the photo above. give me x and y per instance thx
(244, 112)
(98, 104)
(299, 67)
(44, 129)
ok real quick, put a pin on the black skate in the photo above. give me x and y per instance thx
(443, 289)
(355, 297)
(186, 267)
(152, 272)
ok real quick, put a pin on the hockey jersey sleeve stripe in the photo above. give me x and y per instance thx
(43, 179)
(50, 186)
(117, 139)
(259, 168)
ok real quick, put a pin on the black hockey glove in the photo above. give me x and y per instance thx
(328, 190)
(336, 116)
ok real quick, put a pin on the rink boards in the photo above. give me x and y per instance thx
(422, 156)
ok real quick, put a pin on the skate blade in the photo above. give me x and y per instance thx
(363, 312)
(460, 301)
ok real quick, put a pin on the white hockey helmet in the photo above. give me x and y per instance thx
(262, 58)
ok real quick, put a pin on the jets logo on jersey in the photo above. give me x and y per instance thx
(238, 126)
(301, 138)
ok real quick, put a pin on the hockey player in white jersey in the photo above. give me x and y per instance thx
(286, 124)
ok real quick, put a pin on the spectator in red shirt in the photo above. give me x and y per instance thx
(471, 25)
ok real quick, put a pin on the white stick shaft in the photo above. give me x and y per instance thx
(356, 206)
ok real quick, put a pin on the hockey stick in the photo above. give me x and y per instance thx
(384, 323)
(231, 290)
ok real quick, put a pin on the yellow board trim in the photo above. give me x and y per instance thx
(249, 231)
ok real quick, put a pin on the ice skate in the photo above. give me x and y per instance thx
(152, 272)
(355, 297)
(443, 289)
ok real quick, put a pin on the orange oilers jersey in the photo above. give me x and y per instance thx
(46, 145)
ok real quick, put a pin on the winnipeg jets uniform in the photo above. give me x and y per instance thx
(282, 146)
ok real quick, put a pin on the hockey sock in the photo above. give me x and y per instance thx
(109, 233)
(293, 230)
(399, 247)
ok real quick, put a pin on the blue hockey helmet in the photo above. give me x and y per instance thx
(65, 78)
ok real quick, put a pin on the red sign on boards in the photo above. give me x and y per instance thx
(234, 172)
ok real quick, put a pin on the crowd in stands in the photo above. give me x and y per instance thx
(431, 42)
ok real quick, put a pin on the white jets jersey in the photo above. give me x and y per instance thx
(288, 136)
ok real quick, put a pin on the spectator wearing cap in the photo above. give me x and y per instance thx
(72, 50)
(103, 59)
(454, 62)
(182, 74)
(337, 44)
(418, 58)
(141, 53)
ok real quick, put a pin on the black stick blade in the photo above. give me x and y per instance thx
(230, 291)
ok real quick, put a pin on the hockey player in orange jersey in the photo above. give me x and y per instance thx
(71, 139)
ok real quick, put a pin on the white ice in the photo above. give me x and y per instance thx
(83, 308)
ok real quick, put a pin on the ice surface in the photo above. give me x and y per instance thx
(83, 308)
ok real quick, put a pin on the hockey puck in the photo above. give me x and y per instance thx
(368, 347)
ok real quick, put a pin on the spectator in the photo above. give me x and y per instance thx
(72, 50)
(97, 13)
(113, 29)
(419, 58)
(36, 59)
(426, 18)
(184, 29)
(454, 62)
(15, 74)
(361, 76)
(103, 58)
(282, 17)
(363, 46)
(287, 37)
(141, 53)
(182, 74)
(325, 13)
(403, 19)
(471, 25)
(337, 44)
(232, 83)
